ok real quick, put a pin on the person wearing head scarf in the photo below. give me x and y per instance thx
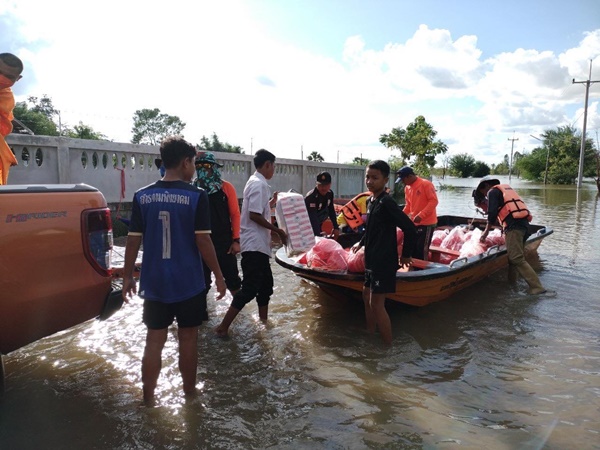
(224, 219)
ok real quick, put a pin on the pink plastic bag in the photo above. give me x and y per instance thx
(455, 239)
(399, 236)
(327, 255)
(438, 237)
(356, 261)
(495, 237)
(472, 246)
(303, 259)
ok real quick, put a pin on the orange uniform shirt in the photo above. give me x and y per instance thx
(7, 159)
(234, 208)
(421, 200)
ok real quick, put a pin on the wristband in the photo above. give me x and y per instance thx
(237, 240)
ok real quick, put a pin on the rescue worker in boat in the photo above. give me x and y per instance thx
(352, 217)
(504, 206)
(319, 204)
(420, 205)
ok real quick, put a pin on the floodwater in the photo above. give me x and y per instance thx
(489, 368)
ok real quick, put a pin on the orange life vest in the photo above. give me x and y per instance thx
(513, 205)
(353, 212)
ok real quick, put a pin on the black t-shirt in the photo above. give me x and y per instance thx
(320, 207)
(220, 219)
(381, 248)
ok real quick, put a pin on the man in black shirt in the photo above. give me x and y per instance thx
(319, 203)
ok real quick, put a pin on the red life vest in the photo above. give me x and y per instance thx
(513, 205)
(353, 213)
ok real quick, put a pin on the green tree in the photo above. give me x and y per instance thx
(315, 156)
(37, 115)
(150, 126)
(83, 131)
(560, 152)
(462, 165)
(502, 168)
(215, 145)
(359, 161)
(532, 166)
(445, 165)
(481, 169)
(416, 143)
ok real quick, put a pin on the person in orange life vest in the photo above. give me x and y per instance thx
(319, 204)
(352, 217)
(421, 202)
(504, 206)
(11, 68)
(224, 220)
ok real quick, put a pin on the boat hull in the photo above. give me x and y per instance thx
(426, 282)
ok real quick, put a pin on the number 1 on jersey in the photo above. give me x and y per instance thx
(165, 218)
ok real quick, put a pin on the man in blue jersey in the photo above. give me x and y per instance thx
(171, 218)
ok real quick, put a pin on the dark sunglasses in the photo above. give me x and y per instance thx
(201, 165)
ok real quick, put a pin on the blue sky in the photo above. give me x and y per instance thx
(329, 76)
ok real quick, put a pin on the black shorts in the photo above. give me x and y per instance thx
(189, 313)
(380, 282)
(257, 282)
(229, 267)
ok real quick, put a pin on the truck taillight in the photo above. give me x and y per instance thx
(96, 226)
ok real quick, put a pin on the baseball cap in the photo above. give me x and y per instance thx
(404, 172)
(490, 179)
(207, 157)
(324, 178)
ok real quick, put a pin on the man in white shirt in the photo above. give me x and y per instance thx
(255, 241)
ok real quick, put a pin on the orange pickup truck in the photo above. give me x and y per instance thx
(55, 261)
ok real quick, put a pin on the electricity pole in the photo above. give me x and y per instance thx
(582, 150)
(512, 145)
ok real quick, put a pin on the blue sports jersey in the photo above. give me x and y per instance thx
(168, 214)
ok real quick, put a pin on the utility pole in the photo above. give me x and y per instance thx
(582, 150)
(59, 123)
(512, 145)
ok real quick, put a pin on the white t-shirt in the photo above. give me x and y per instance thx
(253, 237)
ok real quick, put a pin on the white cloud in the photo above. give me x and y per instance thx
(211, 65)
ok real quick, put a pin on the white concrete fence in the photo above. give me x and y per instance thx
(113, 167)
